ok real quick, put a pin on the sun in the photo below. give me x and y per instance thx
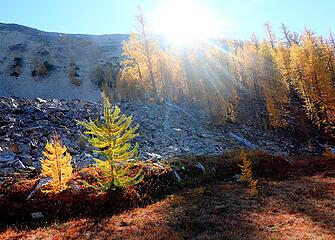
(183, 22)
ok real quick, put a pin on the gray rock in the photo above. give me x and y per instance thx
(75, 188)
(37, 215)
(18, 164)
(7, 157)
(83, 160)
(200, 166)
(154, 156)
(243, 141)
(237, 177)
(26, 159)
(41, 183)
(177, 176)
(40, 100)
(24, 148)
(165, 130)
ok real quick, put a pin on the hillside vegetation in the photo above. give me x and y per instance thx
(272, 82)
(218, 139)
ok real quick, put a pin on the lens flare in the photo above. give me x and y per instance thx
(184, 22)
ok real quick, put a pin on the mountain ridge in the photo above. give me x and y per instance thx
(34, 63)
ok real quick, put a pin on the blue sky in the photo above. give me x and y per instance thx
(238, 18)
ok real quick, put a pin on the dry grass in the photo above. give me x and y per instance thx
(299, 207)
(220, 211)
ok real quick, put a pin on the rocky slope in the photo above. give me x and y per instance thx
(34, 63)
(165, 131)
(57, 66)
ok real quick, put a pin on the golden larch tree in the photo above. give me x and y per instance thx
(111, 136)
(56, 165)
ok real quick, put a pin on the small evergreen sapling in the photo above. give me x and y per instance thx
(245, 167)
(56, 165)
(247, 174)
(253, 187)
(111, 136)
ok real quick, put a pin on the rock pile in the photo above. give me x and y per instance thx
(25, 127)
(165, 130)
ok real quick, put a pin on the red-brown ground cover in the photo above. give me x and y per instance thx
(299, 206)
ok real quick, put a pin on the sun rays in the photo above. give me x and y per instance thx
(184, 22)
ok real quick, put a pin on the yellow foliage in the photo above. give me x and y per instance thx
(247, 174)
(142, 55)
(57, 166)
(111, 137)
(245, 168)
(313, 76)
(328, 153)
(267, 75)
(253, 188)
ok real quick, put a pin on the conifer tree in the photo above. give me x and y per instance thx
(270, 34)
(282, 60)
(141, 53)
(253, 187)
(312, 78)
(273, 87)
(245, 167)
(111, 136)
(56, 165)
(247, 173)
(219, 76)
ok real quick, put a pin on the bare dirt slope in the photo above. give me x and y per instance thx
(34, 63)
